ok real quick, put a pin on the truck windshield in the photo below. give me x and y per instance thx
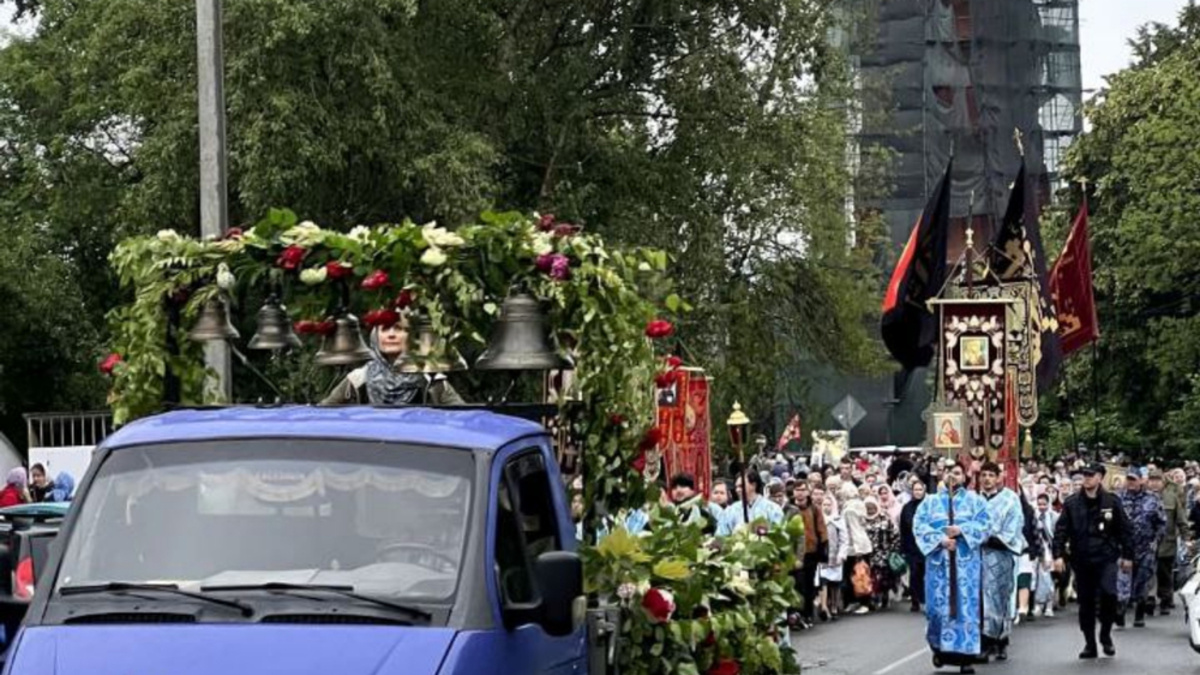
(382, 519)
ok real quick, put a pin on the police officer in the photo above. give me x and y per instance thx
(1094, 534)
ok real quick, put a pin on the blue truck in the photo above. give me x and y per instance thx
(356, 540)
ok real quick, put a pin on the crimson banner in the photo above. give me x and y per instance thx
(1071, 289)
(683, 416)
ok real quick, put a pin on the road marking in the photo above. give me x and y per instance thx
(887, 669)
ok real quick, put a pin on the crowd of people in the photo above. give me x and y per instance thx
(997, 549)
(35, 486)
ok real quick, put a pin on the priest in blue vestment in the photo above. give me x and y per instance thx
(950, 528)
(1002, 548)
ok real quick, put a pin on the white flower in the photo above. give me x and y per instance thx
(305, 234)
(360, 233)
(167, 235)
(542, 244)
(740, 582)
(439, 236)
(225, 278)
(433, 257)
(313, 275)
(644, 267)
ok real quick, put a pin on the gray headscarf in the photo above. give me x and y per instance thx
(388, 386)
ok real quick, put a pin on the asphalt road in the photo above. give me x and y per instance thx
(892, 643)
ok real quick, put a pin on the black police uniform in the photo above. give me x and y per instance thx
(1094, 534)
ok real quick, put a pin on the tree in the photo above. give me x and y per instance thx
(1143, 175)
(713, 129)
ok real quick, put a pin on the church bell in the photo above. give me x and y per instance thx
(521, 340)
(274, 328)
(345, 347)
(213, 323)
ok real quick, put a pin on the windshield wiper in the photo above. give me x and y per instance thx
(174, 589)
(342, 590)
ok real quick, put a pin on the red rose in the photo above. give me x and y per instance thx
(375, 280)
(664, 380)
(639, 463)
(564, 230)
(725, 667)
(109, 364)
(616, 419)
(326, 328)
(234, 233)
(383, 318)
(546, 222)
(653, 437)
(674, 362)
(659, 328)
(291, 257)
(710, 640)
(305, 327)
(659, 605)
(338, 270)
(405, 299)
(544, 263)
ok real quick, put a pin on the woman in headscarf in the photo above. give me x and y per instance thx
(890, 504)
(39, 484)
(829, 573)
(64, 488)
(854, 513)
(381, 381)
(885, 541)
(14, 491)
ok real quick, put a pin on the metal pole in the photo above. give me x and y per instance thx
(214, 211)
(745, 495)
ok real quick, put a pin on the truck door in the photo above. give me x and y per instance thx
(527, 525)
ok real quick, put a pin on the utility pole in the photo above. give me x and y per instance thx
(214, 194)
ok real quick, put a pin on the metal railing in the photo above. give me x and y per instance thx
(68, 430)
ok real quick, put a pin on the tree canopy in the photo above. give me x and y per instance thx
(716, 130)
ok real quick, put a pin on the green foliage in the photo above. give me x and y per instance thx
(730, 594)
(1139, 158)
(714, 130)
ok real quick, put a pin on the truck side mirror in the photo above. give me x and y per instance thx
(560, 579)
(559, 576)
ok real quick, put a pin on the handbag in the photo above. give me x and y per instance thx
(898, 564)
(861, 579)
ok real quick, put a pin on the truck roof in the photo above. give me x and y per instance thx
(467, 429)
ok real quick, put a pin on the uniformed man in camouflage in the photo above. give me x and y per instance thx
(1148, 521)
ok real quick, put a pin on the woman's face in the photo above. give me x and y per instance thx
(872, 509)
(918, 490)
(393, 340)
(720, 495)
(828, 505)
(885, 494)
(39, 477)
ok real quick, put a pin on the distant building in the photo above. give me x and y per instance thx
(964, 74)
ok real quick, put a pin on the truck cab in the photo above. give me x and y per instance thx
(313, 540)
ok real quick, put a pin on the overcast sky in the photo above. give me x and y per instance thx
(1106, 25)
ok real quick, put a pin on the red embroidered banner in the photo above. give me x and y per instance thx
(683, 416)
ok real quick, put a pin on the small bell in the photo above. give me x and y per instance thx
(429, 352)
(520, 340)
(213, 323)
(345, 347)
(274, 328)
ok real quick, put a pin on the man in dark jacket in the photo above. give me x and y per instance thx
(1094, 534)
(908, 545)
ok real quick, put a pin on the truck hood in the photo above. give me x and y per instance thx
(220, 649)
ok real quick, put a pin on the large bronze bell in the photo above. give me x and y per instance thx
(345, 347)
(274, 328)
(213, 323)
(429, 353)
(520, 340)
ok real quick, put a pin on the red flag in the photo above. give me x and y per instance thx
(791, 433)
(1071, 288)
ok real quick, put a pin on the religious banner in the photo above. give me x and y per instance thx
(683, 417)
(974, 357)
(1023, 343)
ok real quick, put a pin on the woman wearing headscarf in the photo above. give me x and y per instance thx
(890, 504)
(381, 381)
(64, 488)
(854, 513)
(829, 573)
(40, 484)
(885, 541)
(14, 491)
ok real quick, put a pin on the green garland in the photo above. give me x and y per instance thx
(599, 301)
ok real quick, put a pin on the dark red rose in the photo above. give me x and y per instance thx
(234, 233)
(382, 318)
(109, 364)
(563, 230)
(659, 605)
(725, 667)
(405, 299)
(616, 419)
(546, 222)
(305, 327)
(326, 328)
(664, 380)
(659, 328)
(710, 640)
(654, 436)
(375, 280)
(639, 463)
(560, 269)
(544, 262)
(337, 270)
(292, 257)
(674, 362)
